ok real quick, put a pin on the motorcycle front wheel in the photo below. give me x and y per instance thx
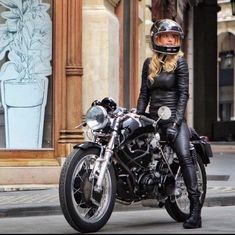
(178, 205)
(85, 209)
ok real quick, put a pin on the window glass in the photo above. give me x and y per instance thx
(226, 86)
(26, 74)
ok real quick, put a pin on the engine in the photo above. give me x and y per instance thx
(149, 183)
(148, 175)
(156, 185)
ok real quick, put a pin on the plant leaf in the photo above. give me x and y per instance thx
(3, 51)
(11, 14)
(9, 70)
(11, 3)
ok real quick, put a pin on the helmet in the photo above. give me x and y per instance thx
(109, 104)
(165, 26)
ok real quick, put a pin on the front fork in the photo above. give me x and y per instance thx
(103, 160)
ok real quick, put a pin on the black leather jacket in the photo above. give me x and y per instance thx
(169, 88)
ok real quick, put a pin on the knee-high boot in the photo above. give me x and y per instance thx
(194, 219)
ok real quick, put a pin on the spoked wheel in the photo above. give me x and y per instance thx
(178, 205)
(85, 209)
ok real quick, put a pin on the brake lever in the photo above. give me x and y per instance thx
(83, 124)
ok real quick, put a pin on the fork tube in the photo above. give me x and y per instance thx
(105, 159)
(177, 174)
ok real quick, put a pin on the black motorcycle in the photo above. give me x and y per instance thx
(126, 161)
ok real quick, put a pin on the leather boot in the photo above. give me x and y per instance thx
(190, 179)
(194, 220)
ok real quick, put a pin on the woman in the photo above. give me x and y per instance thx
(165, 82)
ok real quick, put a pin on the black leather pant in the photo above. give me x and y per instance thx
(181, 147)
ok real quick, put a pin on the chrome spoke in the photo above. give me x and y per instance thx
(89, 205)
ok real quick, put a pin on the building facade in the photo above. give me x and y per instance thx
(61, 55)
(225, 125)
(70, 52)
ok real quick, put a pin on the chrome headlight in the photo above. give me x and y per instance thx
(96, 117)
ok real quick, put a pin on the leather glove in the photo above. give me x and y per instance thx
(172, 132)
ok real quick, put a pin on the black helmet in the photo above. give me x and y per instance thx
(109, 104)
(163, 26)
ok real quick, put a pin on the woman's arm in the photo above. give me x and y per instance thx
(144, 95)
(183, 89)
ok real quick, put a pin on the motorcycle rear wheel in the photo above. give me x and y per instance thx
(178, 205)
(85, 209)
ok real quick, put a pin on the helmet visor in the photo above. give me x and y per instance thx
(167, 39)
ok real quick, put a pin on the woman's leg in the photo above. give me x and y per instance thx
(181, 147)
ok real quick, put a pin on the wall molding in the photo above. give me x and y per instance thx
(74, 70)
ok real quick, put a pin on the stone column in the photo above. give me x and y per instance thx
(67, 75)
(148, 25)
(205, 67)
(189, 56)
(100, 51)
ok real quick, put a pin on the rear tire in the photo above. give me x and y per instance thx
(85, 209)
(178, 206)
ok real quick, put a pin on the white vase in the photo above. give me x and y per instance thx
(24, 109)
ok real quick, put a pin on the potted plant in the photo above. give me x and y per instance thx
(25, 42)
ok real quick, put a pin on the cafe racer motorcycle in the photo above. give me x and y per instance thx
(126, 162)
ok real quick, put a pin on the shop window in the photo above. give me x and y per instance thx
(26, 74)
(226, 86)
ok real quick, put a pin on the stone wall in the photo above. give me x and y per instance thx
(100, 51)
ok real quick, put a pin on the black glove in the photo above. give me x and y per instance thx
(172, 132)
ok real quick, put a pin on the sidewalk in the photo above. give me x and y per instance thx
(29, 200)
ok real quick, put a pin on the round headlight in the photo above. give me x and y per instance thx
(96, 117)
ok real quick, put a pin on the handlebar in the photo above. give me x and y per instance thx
(146, 119)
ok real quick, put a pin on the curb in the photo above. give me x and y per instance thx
(226, 200)
(27, 187)
(30, 211)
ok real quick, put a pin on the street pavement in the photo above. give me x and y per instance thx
(30, 200)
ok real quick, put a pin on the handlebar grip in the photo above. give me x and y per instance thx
(149, 120)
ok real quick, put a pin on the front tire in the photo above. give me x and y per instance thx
(85, 209)
(178, 205)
